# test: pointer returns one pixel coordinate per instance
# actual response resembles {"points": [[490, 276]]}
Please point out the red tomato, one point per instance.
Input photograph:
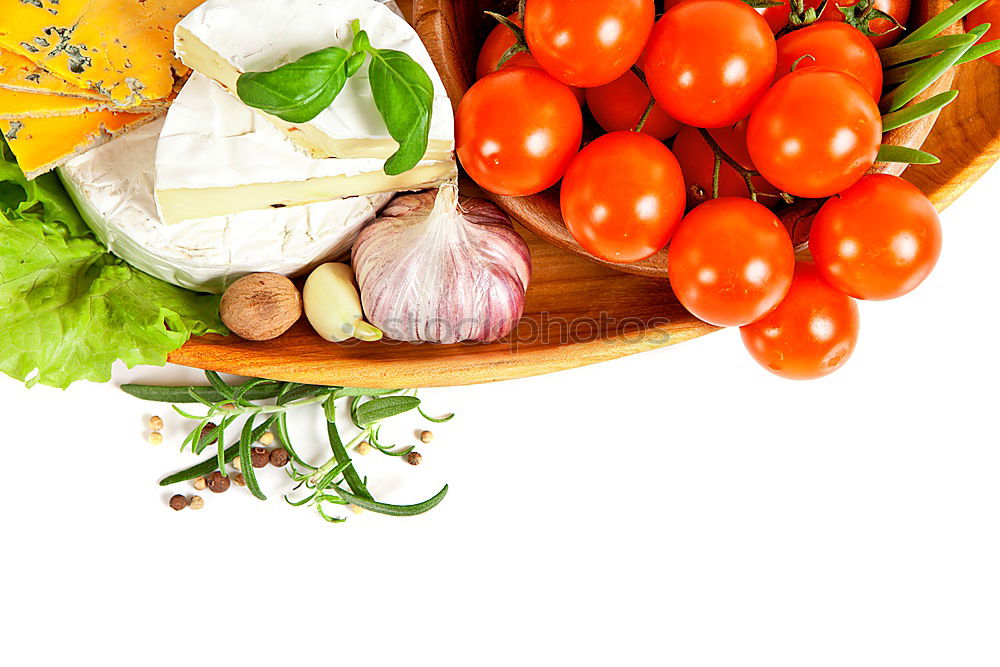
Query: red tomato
{"points": [[623, 196], [620, 104], [815, 132], [516, 131], [878, 240], [587, 43], [708, 62], [698, 163], [730, 262], [497, 42], [777, 17], [989, 12], [834, 45], [810, 334]]}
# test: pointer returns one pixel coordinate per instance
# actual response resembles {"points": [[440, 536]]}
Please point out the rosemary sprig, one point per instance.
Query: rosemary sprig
{"points": [[227, 403]]}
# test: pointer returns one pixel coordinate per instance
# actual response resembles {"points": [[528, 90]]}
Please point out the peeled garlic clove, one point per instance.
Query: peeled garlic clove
{"points": [[332, 305]]}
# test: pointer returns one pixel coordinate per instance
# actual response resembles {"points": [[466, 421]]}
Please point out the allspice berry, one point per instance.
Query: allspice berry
{"points": [[200, 483], [279, 457], [217, 482], [258, 457], [426, 436], [239, 479], [414, 458], [196, 502], [261, 306], [155, 423], [178, 502]]}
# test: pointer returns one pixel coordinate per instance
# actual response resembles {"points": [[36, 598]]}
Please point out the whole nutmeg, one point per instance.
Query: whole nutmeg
{"points": [[258, 457], [261, 306], [178, 502], [278, 457], [414, 458], [217, 482]]}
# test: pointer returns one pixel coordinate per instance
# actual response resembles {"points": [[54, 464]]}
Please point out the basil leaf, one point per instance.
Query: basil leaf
{"points": [[404, 96], [299, 91]]}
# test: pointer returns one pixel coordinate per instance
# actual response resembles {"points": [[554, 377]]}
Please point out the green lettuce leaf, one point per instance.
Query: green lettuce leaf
{"points": [[68, 308]]}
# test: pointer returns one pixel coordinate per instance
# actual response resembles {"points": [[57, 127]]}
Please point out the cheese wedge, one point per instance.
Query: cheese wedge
{"points": [[41, 144], [19, 73], [113, 187], [224, 38], [119, 48], [216, 156], [17, 104]]}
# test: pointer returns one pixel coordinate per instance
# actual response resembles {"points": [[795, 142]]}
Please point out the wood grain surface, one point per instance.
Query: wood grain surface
{"points": [[578, 312]]}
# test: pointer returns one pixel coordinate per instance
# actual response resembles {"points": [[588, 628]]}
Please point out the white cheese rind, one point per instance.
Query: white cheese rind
{"points": [[224, 38], [217, 156], [113, 187]]}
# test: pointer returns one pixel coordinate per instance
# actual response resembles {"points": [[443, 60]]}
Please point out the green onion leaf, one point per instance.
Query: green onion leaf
{"points": [[901, 53], [942, 20], [907, 115], [887, 153]]}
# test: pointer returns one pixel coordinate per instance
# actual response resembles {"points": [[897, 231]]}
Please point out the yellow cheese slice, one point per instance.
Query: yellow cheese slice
{"points": [[42, 144], [17, 104], [119, 48], [19, 73]]}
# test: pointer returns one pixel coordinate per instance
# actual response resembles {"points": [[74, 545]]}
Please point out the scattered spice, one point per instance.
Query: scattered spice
{"points": [[426, 436], [239, 479], [217, 482], [196, 502], [259, 457], [155, 438], [267, 439], [356, 509], [238, 463], [200, 483], [414, 458], [363, 448], [155, 423], [279, 457], [178, 502]]}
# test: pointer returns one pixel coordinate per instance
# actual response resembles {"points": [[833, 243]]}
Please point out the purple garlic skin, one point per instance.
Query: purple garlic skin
{"points": [[433, 268]]}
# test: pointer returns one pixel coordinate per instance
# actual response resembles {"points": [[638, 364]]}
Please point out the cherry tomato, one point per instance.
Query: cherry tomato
{"points": [[815, 132], [834, 45], [709, 61], [697, 162], [620, 104], [516, 131], [777, 17], [989, 12], [497, 42], [878, 240], [730, 262], [587, 43], [623, 196], [810, 334]]}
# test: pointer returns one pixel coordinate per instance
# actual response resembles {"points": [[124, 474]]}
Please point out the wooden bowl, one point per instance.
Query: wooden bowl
{"points": [[577, 312], [458, 28]]}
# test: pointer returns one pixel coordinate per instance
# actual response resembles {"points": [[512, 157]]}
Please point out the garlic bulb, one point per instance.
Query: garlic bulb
{"points": [[434, 269]]}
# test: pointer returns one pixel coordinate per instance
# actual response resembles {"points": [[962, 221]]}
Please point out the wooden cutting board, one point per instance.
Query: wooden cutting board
{"points": [[578, 312]]}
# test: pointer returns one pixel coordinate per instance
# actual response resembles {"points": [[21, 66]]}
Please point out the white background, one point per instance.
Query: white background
{"points": [[680, 507]]}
